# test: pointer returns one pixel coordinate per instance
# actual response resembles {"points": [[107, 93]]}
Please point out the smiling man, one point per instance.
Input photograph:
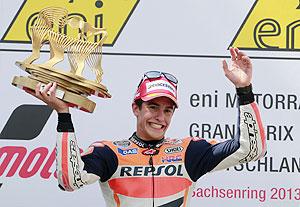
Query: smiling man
{"points": [[154, 104], [148, 169]]}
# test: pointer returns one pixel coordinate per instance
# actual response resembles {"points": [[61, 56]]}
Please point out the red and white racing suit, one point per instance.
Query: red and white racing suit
{"points": [[134, 173]]}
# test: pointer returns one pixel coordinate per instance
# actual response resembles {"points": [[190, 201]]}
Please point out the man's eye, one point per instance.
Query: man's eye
{"points": [[153, 107], [169, 111]]}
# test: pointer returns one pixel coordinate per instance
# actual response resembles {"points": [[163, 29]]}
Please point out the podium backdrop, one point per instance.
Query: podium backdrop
{"points": [[188, 39]]}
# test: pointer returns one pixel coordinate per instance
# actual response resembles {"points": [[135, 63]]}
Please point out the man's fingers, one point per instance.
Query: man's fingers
{"points": [[247, 62], [37, 90], [44, 90], [233, 53], [236, 54], [52, 90], [240, 55], [225, 67]]}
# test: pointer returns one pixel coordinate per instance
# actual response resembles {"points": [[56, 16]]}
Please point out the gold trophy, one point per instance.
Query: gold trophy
{"points": [[72, 87]]}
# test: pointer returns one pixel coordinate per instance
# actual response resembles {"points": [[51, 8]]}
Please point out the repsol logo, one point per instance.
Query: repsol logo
{"points": [[172, 150], [140, 144], [252, 133], [166, 170]]}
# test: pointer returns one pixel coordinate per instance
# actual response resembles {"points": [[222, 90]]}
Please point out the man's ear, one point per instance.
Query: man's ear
{"points": [[135, 109]]}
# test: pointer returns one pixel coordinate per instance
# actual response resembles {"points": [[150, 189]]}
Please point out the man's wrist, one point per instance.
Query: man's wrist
{"points": [[245, 95], [64, 110], [64, 117], [65, 123], [244, 90]]}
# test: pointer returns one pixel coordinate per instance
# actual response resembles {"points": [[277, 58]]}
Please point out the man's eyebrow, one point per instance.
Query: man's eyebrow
{"points": [[152, 103], [156, 104], [171, 107]]}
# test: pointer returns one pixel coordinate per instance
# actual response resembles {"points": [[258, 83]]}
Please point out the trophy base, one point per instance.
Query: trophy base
{"points": [[74, 100], [66, 80]]}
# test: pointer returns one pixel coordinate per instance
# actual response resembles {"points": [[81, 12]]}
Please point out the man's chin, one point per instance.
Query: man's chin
{"points": [[157, 136]]}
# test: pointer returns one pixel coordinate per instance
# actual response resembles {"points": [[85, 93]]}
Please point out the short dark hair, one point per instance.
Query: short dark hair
{"points": [[139, 103]]}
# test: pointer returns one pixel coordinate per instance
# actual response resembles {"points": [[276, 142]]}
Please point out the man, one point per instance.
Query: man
{"points": [[148, 169]]}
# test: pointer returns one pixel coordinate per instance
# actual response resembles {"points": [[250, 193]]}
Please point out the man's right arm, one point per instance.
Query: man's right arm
{"points": [[74, 171]]}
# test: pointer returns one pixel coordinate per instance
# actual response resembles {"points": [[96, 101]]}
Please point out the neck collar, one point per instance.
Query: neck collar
{"points": [[146, 144]]}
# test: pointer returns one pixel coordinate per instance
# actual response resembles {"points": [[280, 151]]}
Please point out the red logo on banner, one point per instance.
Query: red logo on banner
{"points": [[28, 163]]}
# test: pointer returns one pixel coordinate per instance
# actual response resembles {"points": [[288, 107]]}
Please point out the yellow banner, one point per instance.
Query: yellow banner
{"points": [[271, 25], [109, 14]]}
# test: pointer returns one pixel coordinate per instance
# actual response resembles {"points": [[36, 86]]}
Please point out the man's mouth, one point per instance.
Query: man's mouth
{"points": [[156, 126]]}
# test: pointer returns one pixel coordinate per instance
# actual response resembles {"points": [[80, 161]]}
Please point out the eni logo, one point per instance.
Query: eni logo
{"points": [[109, 14], [270, 25]]}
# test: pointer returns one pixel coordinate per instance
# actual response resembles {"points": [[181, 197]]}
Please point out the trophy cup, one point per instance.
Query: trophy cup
{"points": [[72, 87]]}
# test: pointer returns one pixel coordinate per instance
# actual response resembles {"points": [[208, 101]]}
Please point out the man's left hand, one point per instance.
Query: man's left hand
{"points": [[240, 70]]}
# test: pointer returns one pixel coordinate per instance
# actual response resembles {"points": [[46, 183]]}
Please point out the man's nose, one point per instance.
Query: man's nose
{"points": [[160, 115]]}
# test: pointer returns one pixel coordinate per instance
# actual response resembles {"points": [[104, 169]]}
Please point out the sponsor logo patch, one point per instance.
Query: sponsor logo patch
{"points": [[131, 151], [172, 150], [75, 165], [173, 141], [163, 170], [150, 152], [252, 133], [160, 85], [169, 159], [122, 144]]}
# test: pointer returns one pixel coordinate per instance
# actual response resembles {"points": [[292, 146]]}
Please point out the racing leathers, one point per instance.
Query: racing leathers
{"points": [[163, 173]]}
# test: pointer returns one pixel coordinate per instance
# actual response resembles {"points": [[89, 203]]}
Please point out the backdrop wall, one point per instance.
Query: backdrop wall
{"points": [[188, 39]]}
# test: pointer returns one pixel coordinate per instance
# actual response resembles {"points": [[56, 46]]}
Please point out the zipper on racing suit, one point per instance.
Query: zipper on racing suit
{"points": [[152, 171], [152, 174], [150, 149]]}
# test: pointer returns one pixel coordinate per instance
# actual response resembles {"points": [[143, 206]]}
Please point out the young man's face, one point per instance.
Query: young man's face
{"points": [[153, 118]]}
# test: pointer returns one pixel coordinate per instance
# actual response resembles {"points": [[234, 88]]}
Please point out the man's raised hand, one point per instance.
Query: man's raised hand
{"points": [[240, 70]]}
